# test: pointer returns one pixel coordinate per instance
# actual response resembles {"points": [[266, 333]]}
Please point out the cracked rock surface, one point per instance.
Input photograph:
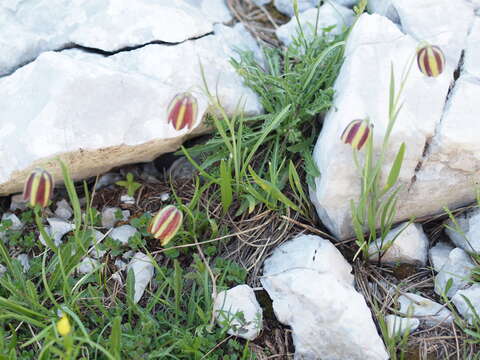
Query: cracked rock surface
{"points": [[437, 121], [311, 287], [100, 100], [33, 26]]}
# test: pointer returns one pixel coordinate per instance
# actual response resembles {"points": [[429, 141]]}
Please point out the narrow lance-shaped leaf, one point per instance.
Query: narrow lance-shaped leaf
{"points": [[225, 185], [396, 167]]}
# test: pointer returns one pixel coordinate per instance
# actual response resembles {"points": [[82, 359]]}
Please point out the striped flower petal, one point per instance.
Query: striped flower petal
{"points": [[38, 188], [356, 133], [182, 111], [165, 224], [430, 60]]}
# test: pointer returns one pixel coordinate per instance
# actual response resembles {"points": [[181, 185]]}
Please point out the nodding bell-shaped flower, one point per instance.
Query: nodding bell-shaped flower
{"points": [[182, 111], [38, 188], [63, 325], [356, 133], [430, 60], [165, 224]]}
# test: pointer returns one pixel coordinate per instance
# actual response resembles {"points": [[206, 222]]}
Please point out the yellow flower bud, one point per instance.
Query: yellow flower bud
{"points": [[63, 325]]}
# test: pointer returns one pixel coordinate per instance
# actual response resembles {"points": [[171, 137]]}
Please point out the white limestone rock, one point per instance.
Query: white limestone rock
{"points": [[472, 52], [56, 230], [143, 271], [451, 168], [426, 310], [261, 2], [385, 8], [286, 6], [463, 307], [330, 14], [127, 199], [110, 25], [64, 210], [123, 233], [397, 326], [405, 244], [439, 255], [109, 216], [312, 292], [239, 309], [458, 268], [444, 23], [87, 265], [18, 203], [309, 252], [24, 260], [100, 112], [107, 180], [329, 318], [16, 222], [121, 265], [362, 90], [467, 236]]}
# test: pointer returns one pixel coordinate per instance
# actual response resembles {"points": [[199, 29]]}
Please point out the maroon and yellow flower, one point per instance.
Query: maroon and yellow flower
{"points": [[356, 133], [165, 224], [182, 111], [38, 188], [430, 60]]}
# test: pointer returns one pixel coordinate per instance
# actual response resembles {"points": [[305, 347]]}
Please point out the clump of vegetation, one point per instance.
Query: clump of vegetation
{"points": [[256, 159]]}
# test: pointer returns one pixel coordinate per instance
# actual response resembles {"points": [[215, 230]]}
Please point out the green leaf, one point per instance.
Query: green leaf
{"points": [[226, 185], [273, 191]]}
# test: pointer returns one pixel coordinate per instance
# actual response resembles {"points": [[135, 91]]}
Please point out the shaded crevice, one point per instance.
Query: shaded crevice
{"points": [[105, 53], [428, 141]]}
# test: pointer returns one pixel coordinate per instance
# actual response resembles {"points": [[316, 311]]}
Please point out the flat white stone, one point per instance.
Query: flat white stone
{"points": [[123, 233], [426, 310], [107, 180], [87, 265], [309, 252], [397, 326], [463, 307], [164, 196], [311, 286], [467, 235], [405, 244], [143, 270], [330, 14], [56, 230], [239, 309], [64, 210], [330, 320], [362, 90], [121, 265], [17, 203], [444, 23], [286, 6], [472, 52], [109, 216], [458, 268], [261, 2], [127, 199], [110, 25], [16, 222], [99, 112], [439, 255], [385, 8], [24, 261]]}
